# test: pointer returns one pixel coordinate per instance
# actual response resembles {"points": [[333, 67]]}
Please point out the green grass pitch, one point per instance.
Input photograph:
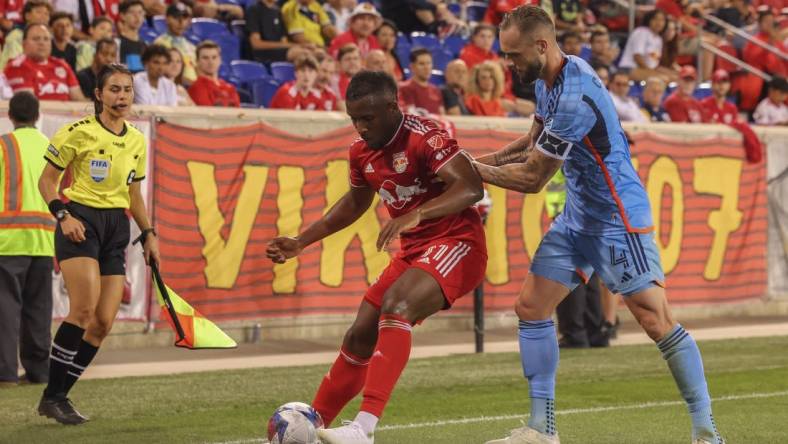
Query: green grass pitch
{"points": [[616, 395]]}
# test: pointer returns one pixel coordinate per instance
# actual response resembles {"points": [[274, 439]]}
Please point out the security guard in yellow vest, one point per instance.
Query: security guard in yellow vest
{"points": [[580, 320], [26, 247]]}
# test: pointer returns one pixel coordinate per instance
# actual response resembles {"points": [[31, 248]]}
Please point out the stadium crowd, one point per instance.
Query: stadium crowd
{"points": [[301, 54]]}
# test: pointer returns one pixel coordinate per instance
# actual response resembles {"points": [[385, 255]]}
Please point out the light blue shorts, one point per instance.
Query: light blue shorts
{"points": [[626, 262]]}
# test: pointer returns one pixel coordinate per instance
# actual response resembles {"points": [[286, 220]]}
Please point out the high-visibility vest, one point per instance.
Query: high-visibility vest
{"points": [[555, 196], [26, 226]]}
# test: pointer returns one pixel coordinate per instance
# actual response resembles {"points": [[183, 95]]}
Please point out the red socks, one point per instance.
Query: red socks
{"points": [[341, 384], [387, 363]]}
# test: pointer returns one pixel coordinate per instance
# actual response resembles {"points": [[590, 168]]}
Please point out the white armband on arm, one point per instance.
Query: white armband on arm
{"points": [[553, 146]]}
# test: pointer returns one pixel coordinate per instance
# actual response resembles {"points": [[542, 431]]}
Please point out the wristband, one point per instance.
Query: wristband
{"points": [[56, 205]]}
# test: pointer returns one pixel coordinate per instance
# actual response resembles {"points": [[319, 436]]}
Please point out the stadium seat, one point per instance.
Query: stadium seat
{"points": [[283, 71], [635, 89], [402, 39], [160, 24], [585, 52], [702, 91], [240, 3], [437, 78], [454, 44], [441, 58], [149, 35], [206, 28], [496, 47], [476, 11], [424, 40], [263, 91], [238, 28], [231, 46], [247, 71], [403, 54]]}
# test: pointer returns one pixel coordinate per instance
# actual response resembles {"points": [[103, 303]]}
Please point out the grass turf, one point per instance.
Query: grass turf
{"points": [[600, 399]]}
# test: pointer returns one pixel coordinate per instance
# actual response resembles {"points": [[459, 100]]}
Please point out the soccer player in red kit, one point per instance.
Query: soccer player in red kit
{"points": [[428, 186]]}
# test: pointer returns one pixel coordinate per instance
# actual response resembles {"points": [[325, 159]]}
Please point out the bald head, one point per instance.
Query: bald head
{"points": [[376, 61], [457, 73]]}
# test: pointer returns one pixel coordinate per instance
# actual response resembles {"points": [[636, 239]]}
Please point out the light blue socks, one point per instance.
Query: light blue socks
{"points": [[539, 355], [683, 357]]}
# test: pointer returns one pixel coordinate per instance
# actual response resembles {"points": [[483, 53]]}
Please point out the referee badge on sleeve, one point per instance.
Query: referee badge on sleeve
{"points": [[53, 151], [99, 169], [132, 175]]}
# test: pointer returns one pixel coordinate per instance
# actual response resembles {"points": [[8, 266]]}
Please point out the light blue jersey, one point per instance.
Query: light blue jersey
{"points": [[603, 192]]}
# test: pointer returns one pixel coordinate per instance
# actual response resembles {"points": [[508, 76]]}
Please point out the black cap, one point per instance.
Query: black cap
{"points": [[179, 9], [779, 83]]}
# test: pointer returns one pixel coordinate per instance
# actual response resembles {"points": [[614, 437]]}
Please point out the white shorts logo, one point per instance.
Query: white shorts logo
{"points": [[99, 169]]}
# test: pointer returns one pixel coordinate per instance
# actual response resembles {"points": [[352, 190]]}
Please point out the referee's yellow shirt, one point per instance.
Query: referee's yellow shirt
{"points": [[103, 164]]}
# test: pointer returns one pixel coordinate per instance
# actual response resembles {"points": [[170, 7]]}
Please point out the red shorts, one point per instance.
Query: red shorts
{"points": [[457, 265]]}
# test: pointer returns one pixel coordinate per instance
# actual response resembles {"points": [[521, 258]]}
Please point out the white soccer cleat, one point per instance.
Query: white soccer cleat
{"points": [[526, 435], [349, 433]]}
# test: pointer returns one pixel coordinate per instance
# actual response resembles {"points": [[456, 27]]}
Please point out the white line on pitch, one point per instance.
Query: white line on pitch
{"points": [[645, 405]]}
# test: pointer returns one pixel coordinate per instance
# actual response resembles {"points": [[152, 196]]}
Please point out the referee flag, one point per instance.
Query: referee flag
{"points": [[192, 329]]}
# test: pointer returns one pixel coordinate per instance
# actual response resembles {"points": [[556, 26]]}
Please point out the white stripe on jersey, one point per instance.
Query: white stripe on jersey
{"points": [[447, 266], [448, 256]]}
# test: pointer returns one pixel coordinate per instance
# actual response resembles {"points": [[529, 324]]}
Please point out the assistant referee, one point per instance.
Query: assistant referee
{"points": [[107, 157]]}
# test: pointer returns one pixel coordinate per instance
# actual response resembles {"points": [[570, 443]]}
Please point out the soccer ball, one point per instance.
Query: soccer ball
{"points": [[294, 423]]}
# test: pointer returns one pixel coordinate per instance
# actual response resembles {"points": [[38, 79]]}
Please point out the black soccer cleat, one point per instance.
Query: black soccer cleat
{"points": [[61, 410]]}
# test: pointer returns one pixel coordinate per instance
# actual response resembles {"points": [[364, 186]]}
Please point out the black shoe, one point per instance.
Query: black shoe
{"points": [[565, 342], [61, 410]]}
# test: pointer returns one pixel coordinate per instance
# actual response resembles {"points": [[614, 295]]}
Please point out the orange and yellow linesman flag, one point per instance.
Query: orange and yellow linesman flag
{"points": [[192, 329]]}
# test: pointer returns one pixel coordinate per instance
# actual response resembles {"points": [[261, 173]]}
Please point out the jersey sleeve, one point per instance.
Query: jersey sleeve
{"points": [[18, 78], [142, 163], [357, 178], [437, 149], [568, 125], [62, 147]]}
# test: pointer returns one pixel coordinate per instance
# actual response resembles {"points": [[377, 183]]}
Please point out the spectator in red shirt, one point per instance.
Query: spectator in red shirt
{"points": [[327, 78], [717, 108], [681, 105], [479, 49], [364, 20], [387, 39], [496, 9], [349, 59], [485, 90], [49, 78], [418, 95], [302, 93], [761, 58], [209, 89], [10, 14], [376, 61]]}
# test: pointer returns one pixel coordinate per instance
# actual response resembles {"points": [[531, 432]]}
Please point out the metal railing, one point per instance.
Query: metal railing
{"points": [[732, 29], [741, 64]]}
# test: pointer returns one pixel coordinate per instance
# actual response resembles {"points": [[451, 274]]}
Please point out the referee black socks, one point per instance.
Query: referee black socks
{"points": [[64, 349], [84, 356]]}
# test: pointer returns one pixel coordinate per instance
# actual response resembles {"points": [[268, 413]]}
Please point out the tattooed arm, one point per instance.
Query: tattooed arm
{"points": [[515, 152], [528, 177]]}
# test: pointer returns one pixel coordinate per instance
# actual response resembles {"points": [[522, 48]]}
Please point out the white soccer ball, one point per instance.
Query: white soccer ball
{"points": [[294, 423]]}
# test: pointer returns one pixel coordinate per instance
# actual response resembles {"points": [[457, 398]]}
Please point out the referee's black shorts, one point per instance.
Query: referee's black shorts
{"points": [[106, 238]]}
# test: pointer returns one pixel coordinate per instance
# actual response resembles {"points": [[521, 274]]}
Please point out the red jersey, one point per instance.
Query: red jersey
{"points": [[496, 9], [288, 97], [404, 173], [51, 79], [206, 91], [347, 37], [713, 114], [12, 10], [426, 97], [683, 109]]}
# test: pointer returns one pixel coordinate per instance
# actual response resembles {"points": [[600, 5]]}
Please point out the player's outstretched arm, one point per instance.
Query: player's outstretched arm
{"points": [[528, 177], [349, 208], [463, 189], [515, 152]]}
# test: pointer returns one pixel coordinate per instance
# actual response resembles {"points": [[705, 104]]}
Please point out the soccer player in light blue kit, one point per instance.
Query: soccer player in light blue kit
{"points": [[606, 225]]}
